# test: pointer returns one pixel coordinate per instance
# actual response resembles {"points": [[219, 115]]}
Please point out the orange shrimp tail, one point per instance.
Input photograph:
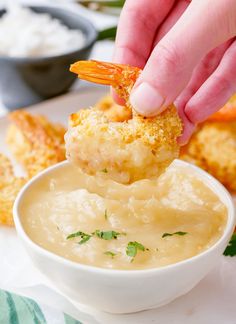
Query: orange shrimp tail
{"points": [[120, 76], [227, 113]]}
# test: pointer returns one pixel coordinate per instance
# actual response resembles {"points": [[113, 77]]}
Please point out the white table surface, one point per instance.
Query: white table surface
{"points": [[101, 51]]}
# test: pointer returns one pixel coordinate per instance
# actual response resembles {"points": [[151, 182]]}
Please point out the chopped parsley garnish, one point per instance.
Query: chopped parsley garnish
{"points": [[111, 254], [105, 215], [73, 235], [231, 248], [176, 233], [84, 237], [107, 235], [104, 170], [133, 248]]}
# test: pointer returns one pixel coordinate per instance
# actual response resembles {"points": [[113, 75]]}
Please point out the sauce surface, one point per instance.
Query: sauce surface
{"points": [[148, 224]]}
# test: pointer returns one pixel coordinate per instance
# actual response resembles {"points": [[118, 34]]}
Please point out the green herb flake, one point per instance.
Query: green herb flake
{"points": [[133, 247], [104, 170], [176, 233], [111, 254], [231, 248], [84, 237], [107, 235], [73, 235]]}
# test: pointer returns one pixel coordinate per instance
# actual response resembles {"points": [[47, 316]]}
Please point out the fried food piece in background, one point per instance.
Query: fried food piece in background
{"points": [[9, 188], [8, 195], [6, 170], [227, 113], [213, 148], [35, 142], [112, 111], [123, 151]]}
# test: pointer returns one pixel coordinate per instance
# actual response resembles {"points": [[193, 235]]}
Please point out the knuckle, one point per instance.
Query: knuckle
{"points": [[136, 11], [209, 62], [138, 14], [192, 114], [128, 54], [170, 57], [223, 81]]}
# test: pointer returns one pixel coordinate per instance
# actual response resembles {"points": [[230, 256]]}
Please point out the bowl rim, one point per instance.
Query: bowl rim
{"points": [[93, 34], [209, 180]]}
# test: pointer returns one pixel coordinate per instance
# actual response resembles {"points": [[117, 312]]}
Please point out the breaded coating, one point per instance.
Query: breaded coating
{"points": [[6, 170], [112, 111], [34, 141], [124, 151], [9, 188], [213, 147], [36, 144]]}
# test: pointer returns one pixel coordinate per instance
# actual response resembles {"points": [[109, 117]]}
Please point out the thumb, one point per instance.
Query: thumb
{"points": [[202, 27]]}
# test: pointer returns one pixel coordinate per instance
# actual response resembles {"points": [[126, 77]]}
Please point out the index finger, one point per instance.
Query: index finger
{"points": [[137, 27]]}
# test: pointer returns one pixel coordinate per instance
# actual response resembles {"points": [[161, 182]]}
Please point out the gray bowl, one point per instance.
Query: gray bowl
{"points": [[26, 81]]}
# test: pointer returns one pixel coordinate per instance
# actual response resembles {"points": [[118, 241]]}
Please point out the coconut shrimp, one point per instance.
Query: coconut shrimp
{"points": [[217, 134], [112, 110], [126, 151]]}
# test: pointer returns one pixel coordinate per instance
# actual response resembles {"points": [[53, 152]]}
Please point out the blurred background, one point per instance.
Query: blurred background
{"points": [[39, 39], [30, 75]]}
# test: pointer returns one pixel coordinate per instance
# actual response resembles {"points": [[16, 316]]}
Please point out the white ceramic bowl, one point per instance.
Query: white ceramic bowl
{"points": [[125, 291]]}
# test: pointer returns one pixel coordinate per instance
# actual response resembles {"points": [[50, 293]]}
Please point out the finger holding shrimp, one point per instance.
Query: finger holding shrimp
{"points": [[137, 28], [171, 64]]}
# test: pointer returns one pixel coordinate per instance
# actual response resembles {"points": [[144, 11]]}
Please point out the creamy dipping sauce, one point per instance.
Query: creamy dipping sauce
{"points": [[148, 224]]}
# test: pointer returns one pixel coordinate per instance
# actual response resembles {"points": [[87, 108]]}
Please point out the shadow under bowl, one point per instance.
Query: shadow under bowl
{"points": [[28, 80]]}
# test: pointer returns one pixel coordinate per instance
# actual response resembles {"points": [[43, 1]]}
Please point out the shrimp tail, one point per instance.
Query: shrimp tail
{"points": [[105, 73]]}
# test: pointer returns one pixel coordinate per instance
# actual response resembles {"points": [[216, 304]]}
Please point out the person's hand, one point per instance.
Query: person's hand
{"points": [[187, 53]]}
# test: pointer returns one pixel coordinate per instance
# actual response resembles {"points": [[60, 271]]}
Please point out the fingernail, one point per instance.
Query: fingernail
{"points": [[146, 100]]}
